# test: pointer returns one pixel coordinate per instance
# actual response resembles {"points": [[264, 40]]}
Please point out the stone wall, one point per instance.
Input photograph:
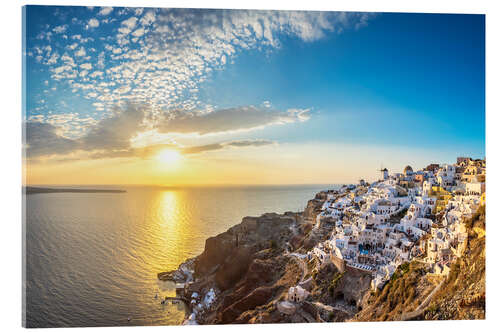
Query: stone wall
{"points": [[339, 263]]}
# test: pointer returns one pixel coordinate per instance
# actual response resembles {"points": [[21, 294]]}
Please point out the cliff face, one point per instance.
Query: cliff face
{"points": [[248, 267], [310, 236], [313, 207], [236, 246]]}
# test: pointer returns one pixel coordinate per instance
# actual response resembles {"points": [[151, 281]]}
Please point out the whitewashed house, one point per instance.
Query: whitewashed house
{"points": [[322, 255], [297, 294]]}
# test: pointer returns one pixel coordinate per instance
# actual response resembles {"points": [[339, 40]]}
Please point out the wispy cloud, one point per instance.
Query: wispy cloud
{"points": [[228, 120], [222, 145]]}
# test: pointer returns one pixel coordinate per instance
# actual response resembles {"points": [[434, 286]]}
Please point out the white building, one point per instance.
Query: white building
{"points": [[297, 294]]}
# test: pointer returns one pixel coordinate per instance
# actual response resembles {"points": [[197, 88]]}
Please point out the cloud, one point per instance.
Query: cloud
{"points": [[249, 143], [169, 53], [130, 23], [153, 150], [161, 57], [115, 132], [81, 52], [110, 134], [105, 11], [139, 32], [43, 139], [141, 152], [72, 46], [228, 120], [60, 29], [93, 23], [222, 145], [148, 18], [109, 138], [87, 66]]}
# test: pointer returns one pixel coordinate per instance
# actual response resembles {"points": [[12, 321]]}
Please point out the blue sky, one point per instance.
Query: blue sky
{"points": [[413, 82], [419, 74]]}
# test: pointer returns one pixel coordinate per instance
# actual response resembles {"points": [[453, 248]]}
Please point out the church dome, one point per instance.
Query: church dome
{"points": [[408, 169]]}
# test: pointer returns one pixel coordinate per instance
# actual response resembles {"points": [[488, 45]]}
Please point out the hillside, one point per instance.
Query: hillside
{"points": [[463, 294], [412, 294]]}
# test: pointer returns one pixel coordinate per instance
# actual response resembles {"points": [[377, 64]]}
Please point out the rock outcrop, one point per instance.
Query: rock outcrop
{"points": [[233, 268]]}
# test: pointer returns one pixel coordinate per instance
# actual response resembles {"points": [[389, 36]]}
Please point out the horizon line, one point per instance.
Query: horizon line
{"points": [[192, 185]]}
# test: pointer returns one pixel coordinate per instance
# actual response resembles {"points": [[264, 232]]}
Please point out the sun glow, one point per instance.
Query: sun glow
{"points": [[168, 156]]}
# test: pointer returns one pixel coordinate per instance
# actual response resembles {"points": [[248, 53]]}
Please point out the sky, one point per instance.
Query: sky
{"points": [[198, 97]]}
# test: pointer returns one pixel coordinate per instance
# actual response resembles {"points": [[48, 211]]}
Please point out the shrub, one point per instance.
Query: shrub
{"points": [[334, 282]]}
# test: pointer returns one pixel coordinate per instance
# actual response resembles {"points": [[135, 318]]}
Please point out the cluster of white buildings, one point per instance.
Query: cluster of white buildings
{"points": [[378, 227]]}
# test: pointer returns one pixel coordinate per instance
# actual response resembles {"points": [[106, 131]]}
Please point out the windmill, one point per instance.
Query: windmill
{"points": [[384, 172]]}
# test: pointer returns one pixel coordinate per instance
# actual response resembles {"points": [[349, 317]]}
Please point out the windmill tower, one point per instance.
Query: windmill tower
{"points": [[384, 173]]}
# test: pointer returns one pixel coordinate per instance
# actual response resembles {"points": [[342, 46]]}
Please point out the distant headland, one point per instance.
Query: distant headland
{"points": [[39, 190]]}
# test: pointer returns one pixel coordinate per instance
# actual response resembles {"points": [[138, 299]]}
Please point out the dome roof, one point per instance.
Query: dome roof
{"points": [[408, 169]]}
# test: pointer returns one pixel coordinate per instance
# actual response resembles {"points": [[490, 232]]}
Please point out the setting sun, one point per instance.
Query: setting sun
{"points": [[168, 156]]}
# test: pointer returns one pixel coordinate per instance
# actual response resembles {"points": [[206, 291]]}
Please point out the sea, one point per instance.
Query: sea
{"points": [[91, 259]]}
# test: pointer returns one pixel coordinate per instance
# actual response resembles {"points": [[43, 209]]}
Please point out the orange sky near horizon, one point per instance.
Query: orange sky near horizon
{"points": [[311, 163]]}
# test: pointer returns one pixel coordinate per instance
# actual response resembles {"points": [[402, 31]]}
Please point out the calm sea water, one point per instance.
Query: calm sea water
{"points": [[92, 258]]}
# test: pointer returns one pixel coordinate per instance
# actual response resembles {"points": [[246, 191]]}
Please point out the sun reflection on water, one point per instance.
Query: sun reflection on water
{"points": [[170, 224], [168, 208]]}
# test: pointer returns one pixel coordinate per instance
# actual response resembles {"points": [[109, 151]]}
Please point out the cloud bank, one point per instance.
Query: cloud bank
{"points": [[232, 119], [111, 137]]}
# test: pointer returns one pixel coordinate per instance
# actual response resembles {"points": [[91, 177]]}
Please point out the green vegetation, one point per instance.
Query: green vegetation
{"points": [[402, 269], [334, 282], [314, 273]]}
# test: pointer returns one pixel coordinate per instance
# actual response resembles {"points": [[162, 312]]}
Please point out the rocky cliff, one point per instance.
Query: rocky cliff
{"points": [[248, 267]]}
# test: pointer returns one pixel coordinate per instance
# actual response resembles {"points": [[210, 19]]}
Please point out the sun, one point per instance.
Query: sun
{"points": [[168, 156]]}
